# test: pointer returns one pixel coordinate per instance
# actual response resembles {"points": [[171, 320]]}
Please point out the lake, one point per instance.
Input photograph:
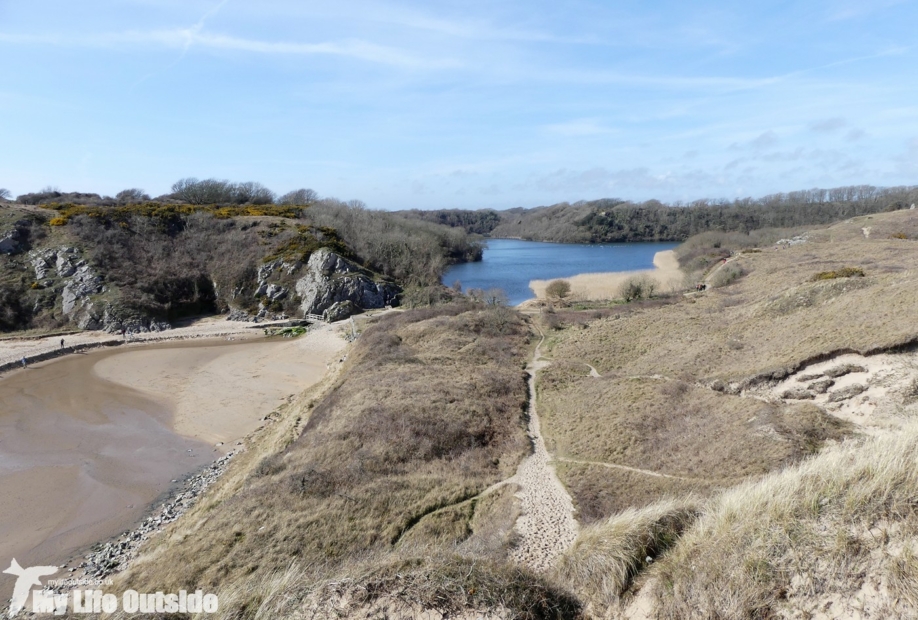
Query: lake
{"points": [[510, 264]]}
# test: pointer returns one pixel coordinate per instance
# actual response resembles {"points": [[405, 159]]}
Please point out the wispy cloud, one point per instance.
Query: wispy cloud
{"points": [[479, 30], [579, 128], [188, 38]]}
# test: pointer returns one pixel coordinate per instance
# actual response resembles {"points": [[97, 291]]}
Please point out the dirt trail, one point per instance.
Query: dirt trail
{"points": [[546, 525], [593, 372], [646, 472]]}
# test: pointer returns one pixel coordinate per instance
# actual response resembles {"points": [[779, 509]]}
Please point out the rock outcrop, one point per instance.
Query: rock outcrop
{"points": [[9, 242], [331, 279], [66, 268], [64, 271], [13, 240]]}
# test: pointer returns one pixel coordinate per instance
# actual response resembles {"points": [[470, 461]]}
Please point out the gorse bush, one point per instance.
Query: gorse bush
{"points": [[166, 212], [844, 272]]}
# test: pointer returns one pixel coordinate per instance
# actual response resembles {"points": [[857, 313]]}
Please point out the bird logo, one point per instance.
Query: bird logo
{"points": [[26, 578]]}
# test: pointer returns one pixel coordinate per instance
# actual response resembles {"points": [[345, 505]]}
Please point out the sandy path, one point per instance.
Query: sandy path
{"points": [[546, 525], [666, 273]]}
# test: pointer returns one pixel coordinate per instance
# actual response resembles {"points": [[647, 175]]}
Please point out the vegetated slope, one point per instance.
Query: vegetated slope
{"points": [[613, 220], [479, 222], [150, 263], [370, 494], [713, 390]]}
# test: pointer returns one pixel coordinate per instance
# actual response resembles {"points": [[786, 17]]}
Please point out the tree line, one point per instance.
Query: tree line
{"points": [[188, 190], [614, 220]]}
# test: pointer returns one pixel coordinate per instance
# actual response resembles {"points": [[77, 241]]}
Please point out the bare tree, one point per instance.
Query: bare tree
{"points": [[252, 193], [299, 197], [495, 297], [558, 288], [208, 191], [5, 194], [133, 194]]}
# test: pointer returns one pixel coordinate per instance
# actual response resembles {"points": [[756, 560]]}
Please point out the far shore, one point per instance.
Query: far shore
{"points": [[666, 274]]}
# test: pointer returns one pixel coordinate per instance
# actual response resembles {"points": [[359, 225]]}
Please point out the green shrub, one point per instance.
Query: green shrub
{"points": [[728, 274], [637, 288], [844, 272]]}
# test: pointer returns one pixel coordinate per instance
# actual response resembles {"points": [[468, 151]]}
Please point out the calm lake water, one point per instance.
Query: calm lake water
{"points": [[510, 264]]}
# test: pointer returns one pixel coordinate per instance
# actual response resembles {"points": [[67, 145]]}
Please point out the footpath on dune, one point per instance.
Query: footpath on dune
{"points": [[546, 525]]}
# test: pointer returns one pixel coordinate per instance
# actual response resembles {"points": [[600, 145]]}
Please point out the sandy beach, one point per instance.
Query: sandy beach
{"points": [[666, 273], [89, 441]]}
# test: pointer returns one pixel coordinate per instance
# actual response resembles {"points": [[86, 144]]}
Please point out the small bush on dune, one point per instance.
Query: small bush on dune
{"points": [[637, 288], [728, 274], [558, 288]]}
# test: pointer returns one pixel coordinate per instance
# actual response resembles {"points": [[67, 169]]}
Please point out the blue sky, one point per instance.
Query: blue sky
{"points": [[460, 104]]}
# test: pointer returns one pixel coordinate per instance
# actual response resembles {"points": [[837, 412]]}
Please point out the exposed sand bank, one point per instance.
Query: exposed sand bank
{"points": [[666, 273], [88, 442]]}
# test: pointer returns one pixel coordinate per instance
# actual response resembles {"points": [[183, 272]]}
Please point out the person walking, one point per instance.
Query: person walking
{"points": [[62, 344], [23, 362]]}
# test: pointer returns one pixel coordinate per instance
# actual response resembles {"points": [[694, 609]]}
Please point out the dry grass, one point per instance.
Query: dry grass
{"points": [[835, 526], [775, 312], [451, 586], [832, 534], [389, 467], [607, 556], [702, 439], [372, 505]]}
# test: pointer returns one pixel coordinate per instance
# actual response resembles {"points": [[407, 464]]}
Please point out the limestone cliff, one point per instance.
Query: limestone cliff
{"points": [[331, 281]]}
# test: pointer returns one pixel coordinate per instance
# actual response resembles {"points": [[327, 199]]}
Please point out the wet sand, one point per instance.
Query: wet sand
{"points": [[88, 442], [666, 273]]}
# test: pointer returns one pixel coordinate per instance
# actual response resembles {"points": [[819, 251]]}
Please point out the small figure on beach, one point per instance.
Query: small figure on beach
{"points": [[23, 362], [62, 343]]}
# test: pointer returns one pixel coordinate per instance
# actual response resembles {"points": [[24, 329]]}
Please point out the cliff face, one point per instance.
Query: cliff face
{"points": [[139, 270], [334, 287]]}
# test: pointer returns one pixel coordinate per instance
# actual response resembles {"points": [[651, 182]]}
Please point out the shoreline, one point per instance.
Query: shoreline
{"points": [[37, 349], [605, 285], [179, 401]]}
